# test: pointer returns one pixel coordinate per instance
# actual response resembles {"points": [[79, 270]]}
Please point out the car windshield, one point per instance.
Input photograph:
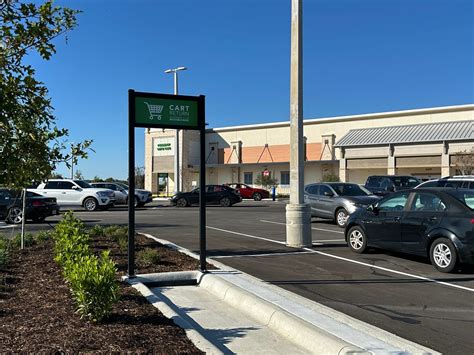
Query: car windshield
{"points": [[82, 184], [405, 181], [350, 190], [464, 196]]}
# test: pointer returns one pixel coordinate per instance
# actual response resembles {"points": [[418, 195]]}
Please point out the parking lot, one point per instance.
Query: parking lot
{"points": [[401, 294]]}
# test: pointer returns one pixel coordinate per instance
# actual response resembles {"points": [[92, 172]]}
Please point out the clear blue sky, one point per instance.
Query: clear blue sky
{"points": [[360, 56]]}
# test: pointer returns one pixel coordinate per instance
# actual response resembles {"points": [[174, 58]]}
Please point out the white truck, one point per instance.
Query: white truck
{"points": [[76, 193]]}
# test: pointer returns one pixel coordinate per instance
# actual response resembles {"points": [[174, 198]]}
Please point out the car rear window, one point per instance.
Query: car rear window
{"points": [[464, 196]]}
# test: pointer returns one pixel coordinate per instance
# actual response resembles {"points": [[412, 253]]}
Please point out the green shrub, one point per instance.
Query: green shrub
{"points": [[94, 286], [148, 257], [71, 241], [3, 255], [123, 244], [116, 232], [28, 241], [42, 236], [97, 230]]}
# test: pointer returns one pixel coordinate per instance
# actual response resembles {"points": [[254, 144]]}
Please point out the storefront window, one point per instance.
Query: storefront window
{"points": [[248, 178], [285, 178]]}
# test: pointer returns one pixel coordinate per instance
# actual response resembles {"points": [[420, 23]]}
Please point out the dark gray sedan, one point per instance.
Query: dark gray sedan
{"points": [[337, 200]]}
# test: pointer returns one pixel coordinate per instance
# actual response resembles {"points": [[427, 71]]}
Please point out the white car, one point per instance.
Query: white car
{"points": [[458, 181], [142, 197], [76, 193]]}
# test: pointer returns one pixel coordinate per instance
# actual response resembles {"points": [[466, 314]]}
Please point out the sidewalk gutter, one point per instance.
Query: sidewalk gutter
{"points": [[315, 327]]}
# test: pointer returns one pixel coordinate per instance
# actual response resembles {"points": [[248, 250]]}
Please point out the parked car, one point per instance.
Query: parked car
{"points": [[337, 200], [437, 223], [461, 181], [385, 184], [215, 195], [37, 207], [247, 191], [76, 193], [142, 197]]}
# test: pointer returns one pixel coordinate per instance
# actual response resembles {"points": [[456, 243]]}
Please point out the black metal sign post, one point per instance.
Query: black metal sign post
{"points": [[151, 110]]}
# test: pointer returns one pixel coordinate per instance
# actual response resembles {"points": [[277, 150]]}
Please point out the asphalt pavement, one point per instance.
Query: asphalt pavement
{"points": [[402, 294]]}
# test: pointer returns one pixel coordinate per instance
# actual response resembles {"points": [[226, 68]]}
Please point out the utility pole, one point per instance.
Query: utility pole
{"points": [[72, 161], [177, 180], [298, 214]]}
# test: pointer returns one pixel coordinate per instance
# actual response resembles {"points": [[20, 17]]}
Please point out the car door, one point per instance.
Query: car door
{"points": [[325, 202], [214, 193], [5, 201], [119, 193], [383, 223], [311, 197], [245, 191], [425, 213], [71, 193], [51, 189]]}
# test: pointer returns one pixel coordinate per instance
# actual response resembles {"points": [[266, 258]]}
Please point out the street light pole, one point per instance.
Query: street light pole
{"points": [[298, 214], [177, 180]]}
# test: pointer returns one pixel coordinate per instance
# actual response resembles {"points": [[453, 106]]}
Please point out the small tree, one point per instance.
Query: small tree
{"points": [[78, 175], [265, 181], [330, 178], [140, 177], [464, 162], [31, 145], [97, 179]]}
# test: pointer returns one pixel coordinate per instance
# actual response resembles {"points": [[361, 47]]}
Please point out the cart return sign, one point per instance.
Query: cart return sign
{"points": [[167, 111], [151, 110]]}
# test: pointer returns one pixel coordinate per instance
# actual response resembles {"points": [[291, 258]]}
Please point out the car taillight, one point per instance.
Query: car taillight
{"points": [[37, 203], [472, 221]]}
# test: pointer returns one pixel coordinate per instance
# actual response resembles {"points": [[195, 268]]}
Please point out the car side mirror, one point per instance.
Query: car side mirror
{"points": [[74, 187], [373, 208], [329, 194]]}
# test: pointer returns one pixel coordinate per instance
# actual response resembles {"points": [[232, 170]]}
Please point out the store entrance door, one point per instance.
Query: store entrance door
{"points": [[163, 185]]}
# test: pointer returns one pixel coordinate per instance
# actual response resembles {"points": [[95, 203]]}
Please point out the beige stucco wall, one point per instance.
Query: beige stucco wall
{"points": [[316, 131]]}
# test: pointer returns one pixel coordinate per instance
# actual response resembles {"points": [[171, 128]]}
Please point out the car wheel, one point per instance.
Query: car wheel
{"points": [[341, 217], [15, 215], [90, 204], [39, 219], [443, 255], [257, 196], [182, 202], [357, 240], [225, 202]]}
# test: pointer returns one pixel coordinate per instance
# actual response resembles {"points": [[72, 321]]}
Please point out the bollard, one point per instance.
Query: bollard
{"points": [[273, 193]]}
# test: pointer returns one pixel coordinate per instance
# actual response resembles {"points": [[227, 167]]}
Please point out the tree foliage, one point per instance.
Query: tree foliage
{"points": [[464, 162], [265, 181], [31, 144]]}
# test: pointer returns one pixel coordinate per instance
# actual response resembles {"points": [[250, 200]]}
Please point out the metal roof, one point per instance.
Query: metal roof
{"points": [[418, 133]]}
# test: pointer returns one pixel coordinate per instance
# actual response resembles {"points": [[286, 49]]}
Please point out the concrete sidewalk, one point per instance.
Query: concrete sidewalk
{"points": [[227, 311]]}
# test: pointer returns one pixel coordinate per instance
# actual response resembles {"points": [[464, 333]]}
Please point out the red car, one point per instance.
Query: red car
{"points": [[250, 192]]}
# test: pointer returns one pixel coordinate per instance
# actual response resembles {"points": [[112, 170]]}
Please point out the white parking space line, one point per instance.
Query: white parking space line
{"points": [[246, 235], [256, 255], [354, 261], [313, 228]]}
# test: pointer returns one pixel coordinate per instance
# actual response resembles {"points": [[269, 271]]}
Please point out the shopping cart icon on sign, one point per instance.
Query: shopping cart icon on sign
{"points": [[155, 111]]}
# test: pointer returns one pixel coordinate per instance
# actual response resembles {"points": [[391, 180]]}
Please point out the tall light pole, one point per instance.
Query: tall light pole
{"points": [[176, 142], [298, 214]]}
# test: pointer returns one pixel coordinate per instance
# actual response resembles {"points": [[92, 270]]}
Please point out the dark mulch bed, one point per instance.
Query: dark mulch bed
{"points": [[37, 311]]}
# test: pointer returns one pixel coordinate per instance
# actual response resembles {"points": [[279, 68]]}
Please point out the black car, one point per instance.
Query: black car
{"points": [[215, 195], [436, 223], [385, 184], [37, 209]]}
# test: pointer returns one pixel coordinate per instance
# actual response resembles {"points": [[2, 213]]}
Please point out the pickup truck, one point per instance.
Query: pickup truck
{"points": [[76, 193]]}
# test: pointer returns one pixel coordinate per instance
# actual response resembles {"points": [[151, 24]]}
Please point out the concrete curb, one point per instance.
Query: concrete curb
{"points": [[294, 329]]}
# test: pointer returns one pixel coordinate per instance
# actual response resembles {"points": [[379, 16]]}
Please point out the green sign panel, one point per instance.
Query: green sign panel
{"points": [[166, 112]]}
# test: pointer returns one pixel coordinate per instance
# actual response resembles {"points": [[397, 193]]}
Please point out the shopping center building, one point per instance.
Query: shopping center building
{"points": [[425, 143]]}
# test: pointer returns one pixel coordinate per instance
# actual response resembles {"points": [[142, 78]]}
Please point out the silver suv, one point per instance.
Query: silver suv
{"points": [[120, 190], [76, 193], [458, 181]]}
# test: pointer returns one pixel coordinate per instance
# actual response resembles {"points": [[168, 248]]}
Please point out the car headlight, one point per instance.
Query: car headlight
{"points": [[103, 193], [358, 204]]}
